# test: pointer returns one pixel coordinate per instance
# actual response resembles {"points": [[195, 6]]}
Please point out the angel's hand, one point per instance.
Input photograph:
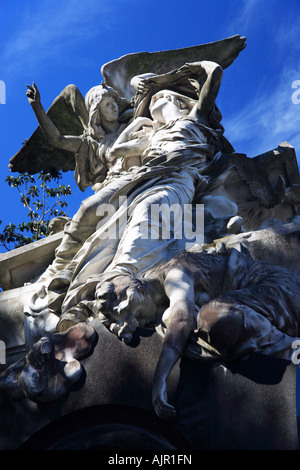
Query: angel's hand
{"points": [[141, 85], [33, 94], [186, 69], [196, 72]]}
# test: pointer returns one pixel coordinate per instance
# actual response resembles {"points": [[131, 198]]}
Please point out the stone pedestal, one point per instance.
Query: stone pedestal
{"points": [[25, 263], [245, 404], [248, 404], [12, 331]]}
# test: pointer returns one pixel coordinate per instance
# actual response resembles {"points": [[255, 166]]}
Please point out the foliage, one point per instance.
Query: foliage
{"points": [[43, 199]]}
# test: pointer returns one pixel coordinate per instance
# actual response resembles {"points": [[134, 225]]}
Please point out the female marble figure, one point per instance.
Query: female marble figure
{"points": [[207, 306], [180, 145], [107, 119]]}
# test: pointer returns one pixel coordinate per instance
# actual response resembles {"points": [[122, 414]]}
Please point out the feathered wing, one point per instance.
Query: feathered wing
{"points": [[69, 114], [257, 179], [118, 73]]}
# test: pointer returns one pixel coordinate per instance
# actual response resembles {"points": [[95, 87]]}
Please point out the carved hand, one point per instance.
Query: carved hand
{"points": [[33, 94], [128, 144], [194, 69], [141, 85], [139, 123], [159, 398]]}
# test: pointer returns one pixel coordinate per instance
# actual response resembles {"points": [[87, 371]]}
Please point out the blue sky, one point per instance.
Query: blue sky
{"points": [[59, 42]]}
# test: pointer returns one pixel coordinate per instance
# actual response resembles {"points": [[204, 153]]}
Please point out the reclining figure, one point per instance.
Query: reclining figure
{"points": [[229, 303]]}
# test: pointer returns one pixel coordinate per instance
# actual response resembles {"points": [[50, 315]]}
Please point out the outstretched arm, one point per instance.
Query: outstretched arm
{"points": [[206, 76], [179, 319], [50, 131]]}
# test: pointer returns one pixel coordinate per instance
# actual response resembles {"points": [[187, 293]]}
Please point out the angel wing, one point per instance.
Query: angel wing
{"points": [[118, 73], [257, 173], [69, 114], [257, 179]]}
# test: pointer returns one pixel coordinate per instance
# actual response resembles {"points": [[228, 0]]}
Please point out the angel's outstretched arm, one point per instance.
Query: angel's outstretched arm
{"points": [[50, 131]]}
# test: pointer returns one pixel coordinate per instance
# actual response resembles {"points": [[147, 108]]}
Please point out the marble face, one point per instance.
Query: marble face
{"points": [[166, 103], [108, 108]]}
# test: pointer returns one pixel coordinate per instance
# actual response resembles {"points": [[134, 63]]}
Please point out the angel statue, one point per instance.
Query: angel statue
{"points": [[182, 137], [77, 133], [159, 158], [97, 163], [178, 142], [164, 157], [171, 152]]}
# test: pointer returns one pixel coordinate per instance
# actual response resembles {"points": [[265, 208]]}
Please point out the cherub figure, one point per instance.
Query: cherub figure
{"points": [[228, 303]]}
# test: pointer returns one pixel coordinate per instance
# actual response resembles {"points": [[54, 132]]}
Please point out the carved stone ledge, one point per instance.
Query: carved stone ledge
{"points": [[25, 263]]}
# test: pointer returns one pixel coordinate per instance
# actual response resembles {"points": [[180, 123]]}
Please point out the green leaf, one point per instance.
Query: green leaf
{"points": [[45, 197]]}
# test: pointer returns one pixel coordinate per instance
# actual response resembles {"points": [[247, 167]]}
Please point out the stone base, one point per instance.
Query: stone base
{"points": [[249, 404], [25, 263], [12, 331]]}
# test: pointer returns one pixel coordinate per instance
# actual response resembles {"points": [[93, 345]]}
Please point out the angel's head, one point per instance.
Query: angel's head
{"points": [[124, 304], [105, 107]]}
